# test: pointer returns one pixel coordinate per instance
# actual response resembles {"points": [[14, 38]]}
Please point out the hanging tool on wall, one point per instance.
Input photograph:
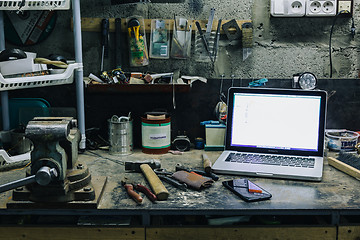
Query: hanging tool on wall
{"points": [[118, 43], [137, 42], [104, 41], [229, 28], [204, 40], [247, 39], [217, 38], [210, 23]]}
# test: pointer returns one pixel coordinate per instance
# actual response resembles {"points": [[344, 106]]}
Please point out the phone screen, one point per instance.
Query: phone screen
{"points": [[247, 190]]}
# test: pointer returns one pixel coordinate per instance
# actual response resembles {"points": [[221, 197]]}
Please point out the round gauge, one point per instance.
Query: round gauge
{"points": [[307, 81]]}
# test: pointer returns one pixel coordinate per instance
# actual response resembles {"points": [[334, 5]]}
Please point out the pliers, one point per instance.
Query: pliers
{"points": [[130, 186], [166, 176]]}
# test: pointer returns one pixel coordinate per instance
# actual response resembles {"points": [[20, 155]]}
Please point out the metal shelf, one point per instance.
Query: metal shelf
{"points": [[66, 77], [15, 5], [73, 72]]}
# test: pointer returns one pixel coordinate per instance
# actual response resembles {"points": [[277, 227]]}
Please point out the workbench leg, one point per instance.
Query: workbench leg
{"points": [[146, 219], [335, 218]]}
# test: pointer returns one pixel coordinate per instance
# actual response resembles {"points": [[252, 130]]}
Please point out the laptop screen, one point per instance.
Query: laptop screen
{"points": [[276, 120]]}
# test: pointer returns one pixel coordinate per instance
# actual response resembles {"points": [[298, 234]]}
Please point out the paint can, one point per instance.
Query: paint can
{"points": [[156, 135], [120, 135]]}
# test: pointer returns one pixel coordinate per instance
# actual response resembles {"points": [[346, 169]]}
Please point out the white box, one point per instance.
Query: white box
{"points": [[215, 135], [25, 65]]}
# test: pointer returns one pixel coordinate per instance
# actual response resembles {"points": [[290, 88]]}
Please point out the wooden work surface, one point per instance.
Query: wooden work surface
{"points": [[335, 193]]}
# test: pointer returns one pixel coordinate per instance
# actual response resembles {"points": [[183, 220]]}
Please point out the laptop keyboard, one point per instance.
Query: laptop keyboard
{"points": [[271, 160]]}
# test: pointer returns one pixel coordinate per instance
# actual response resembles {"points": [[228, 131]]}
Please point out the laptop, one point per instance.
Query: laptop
{"points": [[275, 133]]}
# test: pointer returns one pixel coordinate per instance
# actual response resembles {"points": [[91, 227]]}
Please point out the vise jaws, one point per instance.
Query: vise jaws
{"points": [[55, 174]]}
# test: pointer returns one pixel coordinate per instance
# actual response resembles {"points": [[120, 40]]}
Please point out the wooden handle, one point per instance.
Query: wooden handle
{"points": [[130, 190], [344, 167], [207, 163], [155, 183]]}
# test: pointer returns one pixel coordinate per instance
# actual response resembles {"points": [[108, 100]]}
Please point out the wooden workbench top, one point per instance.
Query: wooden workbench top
{"points": [[337, 191]]}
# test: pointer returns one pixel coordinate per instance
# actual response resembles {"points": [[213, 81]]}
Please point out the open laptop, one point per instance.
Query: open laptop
{"points": [[286, 127]]}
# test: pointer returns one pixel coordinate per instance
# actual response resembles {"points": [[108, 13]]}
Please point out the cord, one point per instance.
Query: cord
{"points": [[59, 64], [331, 32]]}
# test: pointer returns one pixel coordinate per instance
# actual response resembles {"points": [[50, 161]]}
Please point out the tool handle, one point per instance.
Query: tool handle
{"points": [[105, 35], [130, 190], [155, 183], [174, 182], [146, 191], [206, 163], [118, 43]]}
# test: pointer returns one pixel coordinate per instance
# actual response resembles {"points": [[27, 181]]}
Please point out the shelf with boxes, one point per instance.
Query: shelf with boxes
{"points": [[51, 79]]}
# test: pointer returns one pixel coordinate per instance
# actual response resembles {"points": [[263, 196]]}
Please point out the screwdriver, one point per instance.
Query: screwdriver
{"points": [[104, 41]]}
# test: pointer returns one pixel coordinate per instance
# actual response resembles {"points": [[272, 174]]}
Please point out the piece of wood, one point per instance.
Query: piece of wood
{"points": [[155, 183], [94, 24], [137, 88], [74, 233], [344, 167], [264, 233], [348, 232]]}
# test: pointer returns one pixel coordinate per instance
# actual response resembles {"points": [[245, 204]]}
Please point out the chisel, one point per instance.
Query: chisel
{"points": [[118, 43], [104, 41]]}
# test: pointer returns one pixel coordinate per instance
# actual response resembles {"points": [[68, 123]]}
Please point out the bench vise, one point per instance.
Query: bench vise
{"points": [[55, 174]]}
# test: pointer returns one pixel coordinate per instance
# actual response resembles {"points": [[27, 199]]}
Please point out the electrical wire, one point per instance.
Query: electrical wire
{"points": [[331, 32], [59, 64]]}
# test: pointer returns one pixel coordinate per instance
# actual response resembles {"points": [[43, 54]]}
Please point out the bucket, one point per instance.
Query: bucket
{"points": [[156, 137], [120, 136]]}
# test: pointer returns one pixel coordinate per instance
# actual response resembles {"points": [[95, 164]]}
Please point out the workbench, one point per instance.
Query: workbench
{"points": [[300, 209]]}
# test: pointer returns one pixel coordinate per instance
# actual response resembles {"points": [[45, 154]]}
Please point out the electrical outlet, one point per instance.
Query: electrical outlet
{"points": [[321, 8], [345, 6], [287, 8]]}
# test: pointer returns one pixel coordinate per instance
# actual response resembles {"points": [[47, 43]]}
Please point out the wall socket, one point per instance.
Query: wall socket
{"points": [[346, 6], [287, 8], [321, 8], [310, 8]]}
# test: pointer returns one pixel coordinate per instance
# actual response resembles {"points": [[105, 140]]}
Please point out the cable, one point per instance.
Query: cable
{"points": [[59, 64], [331, 32]]}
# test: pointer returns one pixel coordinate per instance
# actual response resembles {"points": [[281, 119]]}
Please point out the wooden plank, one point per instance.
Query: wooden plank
{"points": [[73, 233], [344, 167], [94, 24], [348, 233], [263, 233], [137, 88]]}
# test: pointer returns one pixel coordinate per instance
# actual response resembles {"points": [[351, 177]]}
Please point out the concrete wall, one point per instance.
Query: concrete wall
{"points": [[282, 46]]}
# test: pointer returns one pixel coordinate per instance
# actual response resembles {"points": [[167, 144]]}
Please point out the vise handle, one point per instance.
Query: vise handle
{"points": [[43, 177]]}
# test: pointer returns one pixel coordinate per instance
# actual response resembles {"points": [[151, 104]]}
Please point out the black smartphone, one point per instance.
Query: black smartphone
{"points": [[247, 190]]}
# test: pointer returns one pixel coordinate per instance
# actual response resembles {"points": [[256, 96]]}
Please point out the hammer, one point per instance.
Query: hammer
{"points": [[155, 183], [135, 165]]}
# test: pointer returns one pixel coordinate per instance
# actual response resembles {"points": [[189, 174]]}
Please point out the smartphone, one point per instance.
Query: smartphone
{"points": [[247, 190]]}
